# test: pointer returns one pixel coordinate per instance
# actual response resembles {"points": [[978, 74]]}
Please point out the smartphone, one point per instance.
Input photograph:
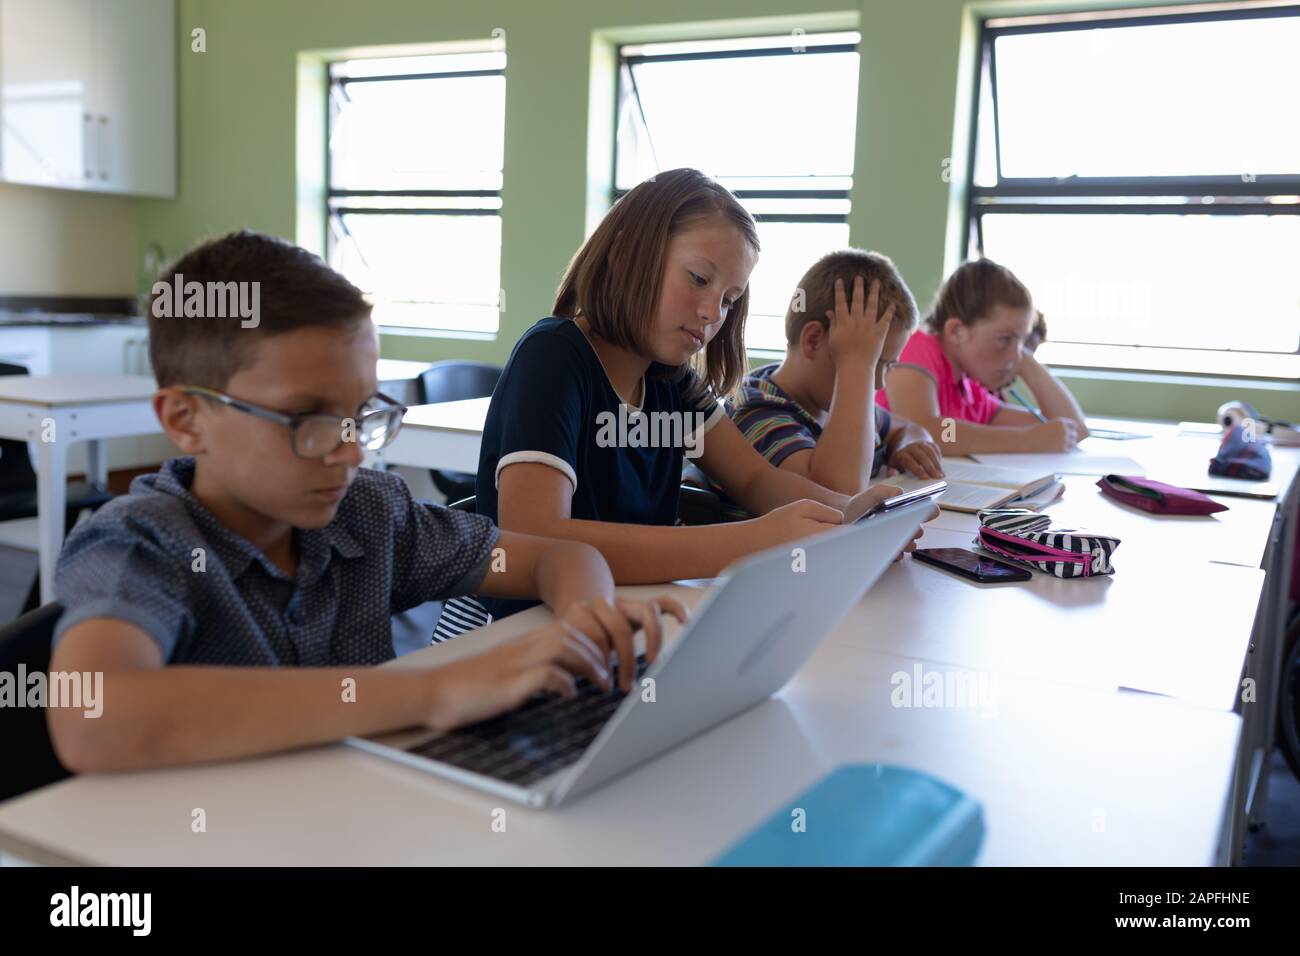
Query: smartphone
{"points": [[970, 564], [906, 498]]}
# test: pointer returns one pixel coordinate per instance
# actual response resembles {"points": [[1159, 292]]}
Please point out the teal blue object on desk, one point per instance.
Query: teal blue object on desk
{"points": [[867, 815]]}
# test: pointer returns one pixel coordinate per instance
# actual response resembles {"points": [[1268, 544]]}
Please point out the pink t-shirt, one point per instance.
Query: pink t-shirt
{"points": [[963, 398]]}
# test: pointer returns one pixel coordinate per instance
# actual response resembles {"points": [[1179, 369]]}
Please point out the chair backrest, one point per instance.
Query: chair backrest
{"points": [[25, 745], [465, 504], [454, 381], [15, 463], [698, 506]]}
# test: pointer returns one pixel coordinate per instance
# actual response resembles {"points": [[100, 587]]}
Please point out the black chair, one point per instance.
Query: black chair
{"points": [[454, 381], [28, 754], [699, 506], [18, 484]]}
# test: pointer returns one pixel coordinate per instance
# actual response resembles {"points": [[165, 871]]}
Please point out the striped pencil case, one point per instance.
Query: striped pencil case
{"points": [[1027, 538]]}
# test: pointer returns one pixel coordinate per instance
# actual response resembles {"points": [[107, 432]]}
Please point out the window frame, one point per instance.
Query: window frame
{"points": [[1233, 195], [623, 59], [331, 193]]}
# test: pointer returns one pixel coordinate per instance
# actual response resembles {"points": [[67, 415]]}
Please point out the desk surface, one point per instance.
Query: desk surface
{"points": [[1236, 536], [1069, 770], [1176, 629], [400, 370], [1067, 775], [52, 391], [1183, 458], [464, 416]]}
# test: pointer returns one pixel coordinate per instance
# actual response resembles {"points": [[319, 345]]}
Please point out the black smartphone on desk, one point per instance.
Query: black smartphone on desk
{"points": [[972, 565], [932, 490]]}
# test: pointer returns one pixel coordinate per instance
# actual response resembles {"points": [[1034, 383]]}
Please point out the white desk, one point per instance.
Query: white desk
{"points": [[397, 377], [1181, 631], [1254, 533], [441, 435], [56, 411], [1237, 536], [1067, 776], [1070, 770]]}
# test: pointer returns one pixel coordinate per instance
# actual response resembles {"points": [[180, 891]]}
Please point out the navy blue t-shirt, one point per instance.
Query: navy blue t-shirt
{"points": [[555, 405]]}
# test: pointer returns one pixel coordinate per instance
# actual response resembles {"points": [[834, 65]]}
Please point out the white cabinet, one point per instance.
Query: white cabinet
{"points": [[47, 62], [88, 94]]}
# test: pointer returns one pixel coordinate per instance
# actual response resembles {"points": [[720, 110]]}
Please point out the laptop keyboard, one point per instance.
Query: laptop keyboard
{"points": [[546, 734]]}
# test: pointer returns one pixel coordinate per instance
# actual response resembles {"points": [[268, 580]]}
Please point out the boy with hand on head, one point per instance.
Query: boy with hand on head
{"points": [[815, 412], [229, 598]]}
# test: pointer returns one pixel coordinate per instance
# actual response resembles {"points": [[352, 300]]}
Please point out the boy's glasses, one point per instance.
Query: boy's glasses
{"points": [[312, 435], [883, 368]]}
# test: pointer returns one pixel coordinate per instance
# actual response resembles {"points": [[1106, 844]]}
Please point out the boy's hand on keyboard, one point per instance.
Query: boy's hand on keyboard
{"points": [[542, 661], [612, 628]]}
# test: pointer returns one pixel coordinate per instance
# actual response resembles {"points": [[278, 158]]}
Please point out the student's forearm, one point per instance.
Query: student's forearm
{"points": [[161, 716], [841, 461], [957, 437], [1054, 399], [652, 554], [568, 571], [770, 488]]}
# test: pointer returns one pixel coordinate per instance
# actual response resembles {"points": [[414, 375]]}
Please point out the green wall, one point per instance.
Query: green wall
{"points": [[237, 154]]}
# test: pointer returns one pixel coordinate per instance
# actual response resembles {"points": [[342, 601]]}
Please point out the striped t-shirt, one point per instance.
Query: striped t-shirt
{"points": [[778, 426]]}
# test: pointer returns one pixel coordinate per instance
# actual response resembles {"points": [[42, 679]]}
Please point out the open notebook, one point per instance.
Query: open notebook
{"points": [[972, 486]]}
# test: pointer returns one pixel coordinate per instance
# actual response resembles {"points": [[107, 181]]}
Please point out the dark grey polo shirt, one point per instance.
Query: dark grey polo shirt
{"points": [[383, 553]]}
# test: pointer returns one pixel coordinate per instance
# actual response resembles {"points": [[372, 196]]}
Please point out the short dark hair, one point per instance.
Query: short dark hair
{"points": [[295, 289], [816, 293]]}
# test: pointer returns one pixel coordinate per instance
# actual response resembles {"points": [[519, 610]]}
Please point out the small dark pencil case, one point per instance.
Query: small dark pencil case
{"points": [[1157, 497]]}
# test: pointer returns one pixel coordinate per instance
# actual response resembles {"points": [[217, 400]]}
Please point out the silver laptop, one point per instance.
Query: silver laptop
{"points": [[740, 646]]}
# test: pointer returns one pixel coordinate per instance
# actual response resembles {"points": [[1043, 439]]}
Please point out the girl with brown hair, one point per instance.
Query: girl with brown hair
{"points": [[972, 345], [599, 403]]}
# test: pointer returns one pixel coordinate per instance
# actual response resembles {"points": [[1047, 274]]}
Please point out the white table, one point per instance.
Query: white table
{"points": [[442, 435], [397, 377], [1070, 769], [1253, 533], [56, 411], [1067, 775], [1181, 631]]}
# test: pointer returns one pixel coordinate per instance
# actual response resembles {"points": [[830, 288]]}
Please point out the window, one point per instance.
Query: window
{"points": [[1141, 174], [785, 147], [414, 158]]}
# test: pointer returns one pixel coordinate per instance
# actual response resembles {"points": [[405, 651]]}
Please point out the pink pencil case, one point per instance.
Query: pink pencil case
{"points": [[1025, 537], [1157, 497]]}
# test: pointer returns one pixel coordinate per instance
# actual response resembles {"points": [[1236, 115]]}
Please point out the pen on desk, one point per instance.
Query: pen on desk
{"points": [[1033, 411]]}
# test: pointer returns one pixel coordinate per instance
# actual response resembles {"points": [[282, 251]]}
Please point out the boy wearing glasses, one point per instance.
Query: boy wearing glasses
{"points": [[235, 599], [815, 412]]}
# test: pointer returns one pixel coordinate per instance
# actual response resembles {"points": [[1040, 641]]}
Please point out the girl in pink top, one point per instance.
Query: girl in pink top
{"points": [[971, 346]]}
